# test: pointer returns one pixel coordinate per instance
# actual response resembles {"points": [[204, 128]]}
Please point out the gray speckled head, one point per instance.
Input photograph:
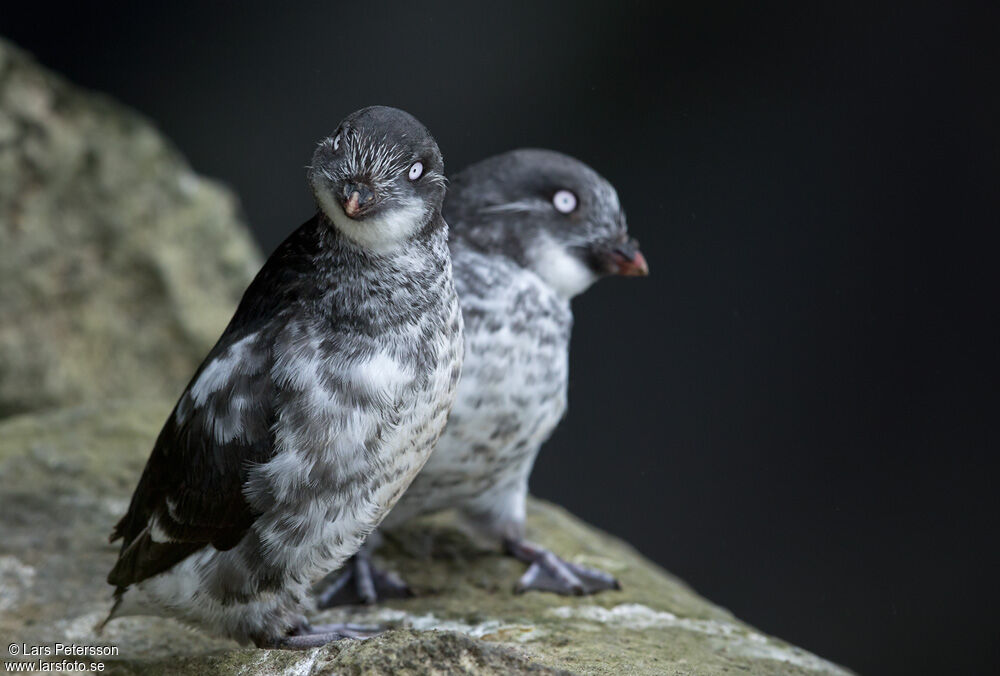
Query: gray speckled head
{"points": [[379, 178], [549, 212]]}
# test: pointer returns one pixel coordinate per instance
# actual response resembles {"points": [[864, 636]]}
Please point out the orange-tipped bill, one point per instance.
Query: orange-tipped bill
{"points": [[635, 266], [352, 206]]}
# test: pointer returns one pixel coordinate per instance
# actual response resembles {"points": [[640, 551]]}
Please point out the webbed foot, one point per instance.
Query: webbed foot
{"points": [[359, 582], [306, 636], [547, 572]]}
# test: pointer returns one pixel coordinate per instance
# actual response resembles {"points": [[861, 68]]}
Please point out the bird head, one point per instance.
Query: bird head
{"points": [[549, 212], [379, 178]]}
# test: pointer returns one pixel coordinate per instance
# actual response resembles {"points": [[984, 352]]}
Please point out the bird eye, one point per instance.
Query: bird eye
{"points": [[416, 170], [564, 201], [336, 142]]}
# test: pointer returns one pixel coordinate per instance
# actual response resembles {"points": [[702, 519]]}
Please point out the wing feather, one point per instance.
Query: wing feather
{"points": [[191, 494]]}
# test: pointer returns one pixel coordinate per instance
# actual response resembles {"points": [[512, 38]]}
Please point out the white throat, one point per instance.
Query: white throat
{"points": [[385, 232], [561, 270]]}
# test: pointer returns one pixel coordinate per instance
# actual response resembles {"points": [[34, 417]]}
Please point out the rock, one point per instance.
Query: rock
{"points": [[119, 266], [66, 475]]}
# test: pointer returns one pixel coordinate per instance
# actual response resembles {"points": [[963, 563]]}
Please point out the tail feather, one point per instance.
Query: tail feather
{"points": [[119, 593]]}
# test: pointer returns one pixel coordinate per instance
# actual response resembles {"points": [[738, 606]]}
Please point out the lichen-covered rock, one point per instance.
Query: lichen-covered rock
{"points": [[66, 475], [119, 267]]}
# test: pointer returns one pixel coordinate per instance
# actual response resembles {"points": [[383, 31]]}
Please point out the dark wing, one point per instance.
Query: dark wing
{"points": [[191, 491]]}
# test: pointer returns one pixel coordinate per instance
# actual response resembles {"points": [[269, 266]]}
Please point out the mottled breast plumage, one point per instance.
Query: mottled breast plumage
{"points": [[309, 418]]}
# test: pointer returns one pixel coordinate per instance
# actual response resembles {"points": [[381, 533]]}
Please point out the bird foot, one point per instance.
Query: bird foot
{"points": [[306, 636], [359, 582], [547, 572]]}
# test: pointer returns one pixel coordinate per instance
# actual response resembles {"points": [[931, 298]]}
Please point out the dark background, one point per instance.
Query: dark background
{"points": [[792, 412]]}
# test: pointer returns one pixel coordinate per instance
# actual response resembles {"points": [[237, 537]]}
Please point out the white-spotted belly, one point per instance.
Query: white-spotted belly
{"points": [[511, 397]]}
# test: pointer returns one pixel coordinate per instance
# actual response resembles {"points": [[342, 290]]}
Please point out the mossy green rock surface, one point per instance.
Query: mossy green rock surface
{"points": [[119, 266], [66, 476]]}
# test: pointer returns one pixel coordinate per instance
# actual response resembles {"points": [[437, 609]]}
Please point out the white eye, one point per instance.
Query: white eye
{"points": [[564, 201], [416, 170], [336, 142]]}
